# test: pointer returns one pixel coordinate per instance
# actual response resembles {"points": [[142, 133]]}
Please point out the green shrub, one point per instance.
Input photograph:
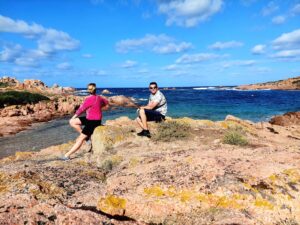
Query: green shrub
{"points": [[170, 131], [3, 85], [20, 98], [235, 136]]}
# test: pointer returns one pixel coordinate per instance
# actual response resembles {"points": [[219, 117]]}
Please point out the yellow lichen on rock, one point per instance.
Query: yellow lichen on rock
{"points": [[105, 137], [260, 202], [112, 205], [155, 191], [23, 155]]}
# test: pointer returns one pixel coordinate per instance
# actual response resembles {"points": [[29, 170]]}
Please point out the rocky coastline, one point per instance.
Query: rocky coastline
{"points": [[62, 102], [214, 179], [288, 84]]}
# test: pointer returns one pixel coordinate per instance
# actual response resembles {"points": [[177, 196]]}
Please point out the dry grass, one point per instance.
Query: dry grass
{"points": [[171, 131]]}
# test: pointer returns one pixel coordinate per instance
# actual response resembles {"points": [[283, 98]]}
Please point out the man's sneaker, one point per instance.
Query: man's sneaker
{"points": [[144, 133]]}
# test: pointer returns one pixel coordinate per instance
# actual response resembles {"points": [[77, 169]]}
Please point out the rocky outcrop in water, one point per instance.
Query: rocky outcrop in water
{"points": [[288, 84], [32, 85], [16, 118], [194, 178]]}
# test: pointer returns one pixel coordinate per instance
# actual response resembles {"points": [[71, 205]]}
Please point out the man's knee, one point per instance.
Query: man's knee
{"points": [[142, 111]]}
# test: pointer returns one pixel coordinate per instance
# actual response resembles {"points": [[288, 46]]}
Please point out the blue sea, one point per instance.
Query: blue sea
{"points": [[212, 103]]}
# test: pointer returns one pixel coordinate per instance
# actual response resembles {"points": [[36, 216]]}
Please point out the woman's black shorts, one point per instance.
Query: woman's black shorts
{"points": [[89, 125]]}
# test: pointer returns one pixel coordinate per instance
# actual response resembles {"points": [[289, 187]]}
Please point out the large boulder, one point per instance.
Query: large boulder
{"points": [[290, 118]]}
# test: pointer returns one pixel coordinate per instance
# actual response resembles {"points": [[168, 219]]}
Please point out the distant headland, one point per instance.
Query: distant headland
{"points": [[287, 84]]}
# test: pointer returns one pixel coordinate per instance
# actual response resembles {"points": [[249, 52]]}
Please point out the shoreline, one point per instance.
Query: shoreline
{"points": [[176, 178], [48, 130]]}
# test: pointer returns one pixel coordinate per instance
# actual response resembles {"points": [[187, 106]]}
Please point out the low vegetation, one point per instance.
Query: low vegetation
{"points": [[3, 85], [20, 98], [170, 131], [235, 136]]}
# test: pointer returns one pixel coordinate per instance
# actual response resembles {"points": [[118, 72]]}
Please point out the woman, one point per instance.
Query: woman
{"points": [[93, 105]]}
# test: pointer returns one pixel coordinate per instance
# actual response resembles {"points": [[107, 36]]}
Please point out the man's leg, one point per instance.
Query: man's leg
{"points": [[138, 120], [77, 144], [76, 124], [143, 119]]}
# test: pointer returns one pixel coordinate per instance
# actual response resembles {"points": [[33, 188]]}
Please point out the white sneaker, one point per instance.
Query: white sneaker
{"points": [[89, 145]]}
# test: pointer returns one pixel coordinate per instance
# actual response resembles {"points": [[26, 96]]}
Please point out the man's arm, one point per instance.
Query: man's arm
{"points": [[151, 105]]}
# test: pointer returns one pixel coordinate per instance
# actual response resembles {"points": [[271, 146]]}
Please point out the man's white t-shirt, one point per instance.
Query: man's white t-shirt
{"points": [[162, 102]]}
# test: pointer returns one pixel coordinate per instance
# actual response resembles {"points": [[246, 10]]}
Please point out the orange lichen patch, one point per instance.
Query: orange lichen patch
{"points": [[260, 202], [3, 185], [23, 155], [112, 205], [154, 191]]}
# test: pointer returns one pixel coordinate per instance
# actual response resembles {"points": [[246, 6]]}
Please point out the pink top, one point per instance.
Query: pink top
{"points": [[92, 105]]}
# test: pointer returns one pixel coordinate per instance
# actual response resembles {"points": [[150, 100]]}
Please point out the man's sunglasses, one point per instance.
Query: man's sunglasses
{"points": [[152, 88]]}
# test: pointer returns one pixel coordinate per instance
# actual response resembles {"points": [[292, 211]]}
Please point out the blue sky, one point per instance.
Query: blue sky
{"points": [[128, 43]]}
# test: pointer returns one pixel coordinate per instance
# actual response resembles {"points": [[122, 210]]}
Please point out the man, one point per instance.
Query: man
{"points": [[92, 105], [155, 110]]}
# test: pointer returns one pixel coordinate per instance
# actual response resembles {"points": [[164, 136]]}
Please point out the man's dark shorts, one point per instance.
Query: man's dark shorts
{"points": [[153, 115], [89, 125]]}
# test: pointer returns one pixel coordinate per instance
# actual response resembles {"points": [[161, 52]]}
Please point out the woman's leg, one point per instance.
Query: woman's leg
{"points": [[77, 145], [76, 124]]}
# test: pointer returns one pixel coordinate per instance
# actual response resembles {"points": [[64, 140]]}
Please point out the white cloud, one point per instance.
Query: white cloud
{"points": [[269, 9], [258, 49], [172, 48], [49, 42], [222, 45], [97, 72], [143, 71], [161, 44], [15, 53], [189, 13], [287, 54], [87, 56], [26, 62], [197, 58], [64, 66], [296, 9], [238, 63], [10, 53], [278, 20], [287, 40], [171, 67], [129, 64]]}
